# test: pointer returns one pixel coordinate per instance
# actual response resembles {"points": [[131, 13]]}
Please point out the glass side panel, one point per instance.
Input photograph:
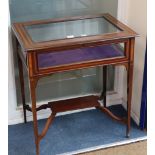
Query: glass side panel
{"points": [[70, 29]]}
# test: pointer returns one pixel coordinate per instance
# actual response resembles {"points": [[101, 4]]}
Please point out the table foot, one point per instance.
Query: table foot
{"points": [[127, 135]]}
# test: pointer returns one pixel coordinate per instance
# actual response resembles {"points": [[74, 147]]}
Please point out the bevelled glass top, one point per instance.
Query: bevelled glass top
{"points": [[70, 29]]}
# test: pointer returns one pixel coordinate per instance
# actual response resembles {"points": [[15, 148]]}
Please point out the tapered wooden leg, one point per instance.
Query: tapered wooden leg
{"points": [[105, 85], [103, 95], [129, 84], [33, 83], [21, 77], [129, 97]]}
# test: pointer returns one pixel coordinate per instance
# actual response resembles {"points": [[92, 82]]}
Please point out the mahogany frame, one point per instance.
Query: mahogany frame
{"points": [[32, 49]]}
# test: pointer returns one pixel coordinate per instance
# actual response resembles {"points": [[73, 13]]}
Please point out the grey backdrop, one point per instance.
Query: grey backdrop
{"points": [[66, 84]]}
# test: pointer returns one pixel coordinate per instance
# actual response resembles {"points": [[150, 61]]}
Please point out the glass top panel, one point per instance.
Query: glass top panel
{"points": [[70, 29]]}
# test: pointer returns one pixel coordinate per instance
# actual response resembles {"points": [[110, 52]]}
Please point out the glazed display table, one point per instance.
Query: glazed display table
{"points": [[58, 45]]}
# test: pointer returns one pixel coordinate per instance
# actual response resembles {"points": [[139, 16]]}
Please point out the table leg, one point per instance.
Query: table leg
{"points": [[33, 84], [103, 95], [129, 97], [21, 77]]}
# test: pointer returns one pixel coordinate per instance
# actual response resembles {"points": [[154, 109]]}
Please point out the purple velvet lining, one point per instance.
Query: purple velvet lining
{"points": [[79, 55]]}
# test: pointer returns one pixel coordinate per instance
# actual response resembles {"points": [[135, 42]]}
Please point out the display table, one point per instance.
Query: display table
{"points": [[58, 45]]}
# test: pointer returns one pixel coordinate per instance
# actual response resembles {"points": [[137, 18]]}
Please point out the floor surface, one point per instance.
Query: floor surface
{"points": [[138, 148], [72, 133]]}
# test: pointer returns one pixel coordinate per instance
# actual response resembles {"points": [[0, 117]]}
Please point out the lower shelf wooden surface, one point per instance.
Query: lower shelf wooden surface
{"points": [[75, 104]]}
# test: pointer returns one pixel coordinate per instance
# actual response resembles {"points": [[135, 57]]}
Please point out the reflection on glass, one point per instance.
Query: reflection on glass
{"points": [[70, 29]]}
